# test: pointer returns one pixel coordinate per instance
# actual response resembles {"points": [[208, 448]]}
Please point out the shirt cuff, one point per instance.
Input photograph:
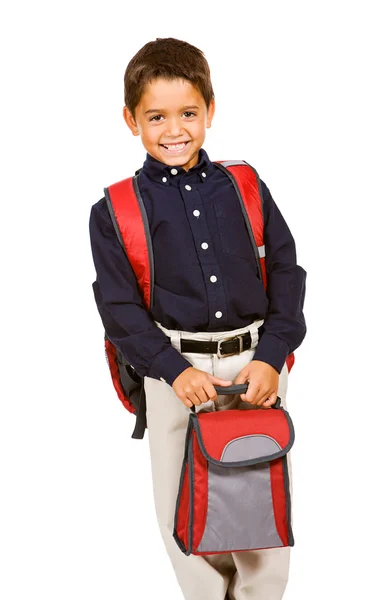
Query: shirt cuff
{"points": [[168, 365], [272, 350]]}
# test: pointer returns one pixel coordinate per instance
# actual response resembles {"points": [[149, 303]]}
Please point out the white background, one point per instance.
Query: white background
{"points": [[297, 96]]}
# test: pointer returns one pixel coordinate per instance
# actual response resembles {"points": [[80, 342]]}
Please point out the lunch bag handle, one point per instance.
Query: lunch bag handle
{"points": [[239, 388]]}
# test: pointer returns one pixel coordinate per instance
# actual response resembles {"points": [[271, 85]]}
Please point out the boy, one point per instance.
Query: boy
{"points": [[206, 289]]}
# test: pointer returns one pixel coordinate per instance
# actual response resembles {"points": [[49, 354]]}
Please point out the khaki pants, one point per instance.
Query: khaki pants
{"points": [[249, 575]]}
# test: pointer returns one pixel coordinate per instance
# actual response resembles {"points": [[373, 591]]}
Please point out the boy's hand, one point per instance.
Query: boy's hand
{"points": [[194, 386], [263, 383]]}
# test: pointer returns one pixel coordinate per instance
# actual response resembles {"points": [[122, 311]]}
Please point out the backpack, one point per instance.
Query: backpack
{"points": [[129, 218]]}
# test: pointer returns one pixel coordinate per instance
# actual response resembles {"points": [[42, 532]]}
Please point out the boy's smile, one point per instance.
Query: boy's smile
{"points": [[171, 118]]}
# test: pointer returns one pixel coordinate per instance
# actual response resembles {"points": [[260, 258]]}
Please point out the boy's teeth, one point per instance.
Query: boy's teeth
{"points": [[174, 145]]}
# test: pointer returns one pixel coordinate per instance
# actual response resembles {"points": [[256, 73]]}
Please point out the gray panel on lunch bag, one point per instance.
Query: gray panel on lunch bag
{"points": [[248, 447], [240, 513]]}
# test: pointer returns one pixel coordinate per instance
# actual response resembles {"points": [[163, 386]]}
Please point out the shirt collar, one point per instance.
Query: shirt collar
{"points": [[166, 174]]}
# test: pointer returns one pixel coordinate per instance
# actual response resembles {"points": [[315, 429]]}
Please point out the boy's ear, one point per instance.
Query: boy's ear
{"points": [[131, 123], [210, 113]]}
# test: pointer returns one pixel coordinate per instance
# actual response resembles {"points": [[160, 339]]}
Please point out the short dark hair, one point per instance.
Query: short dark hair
{"points": [[168, 58]]}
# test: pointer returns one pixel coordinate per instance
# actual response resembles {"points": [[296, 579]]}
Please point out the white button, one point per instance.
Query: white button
{"points": [[196, 213], [213, 278], [174, 171], [164, 179], [218, 314], [203, 174], [204, 245], [161, 379], [188, 187]]}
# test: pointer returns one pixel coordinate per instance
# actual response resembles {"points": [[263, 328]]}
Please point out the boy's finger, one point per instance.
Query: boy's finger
{"points": [[270, 401], [252, 393], [210, 390], [265, 397]]}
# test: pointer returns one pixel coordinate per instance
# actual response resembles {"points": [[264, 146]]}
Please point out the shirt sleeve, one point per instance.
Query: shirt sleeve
{"points": [[284, 327], [128, 325]]}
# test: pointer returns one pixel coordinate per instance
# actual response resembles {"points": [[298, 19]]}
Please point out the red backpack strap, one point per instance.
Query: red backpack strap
{"points": [[246, 182], [130, 221], [128, 214]]}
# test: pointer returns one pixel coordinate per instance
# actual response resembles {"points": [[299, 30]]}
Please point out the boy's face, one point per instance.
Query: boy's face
{"points": [[171, 112]]}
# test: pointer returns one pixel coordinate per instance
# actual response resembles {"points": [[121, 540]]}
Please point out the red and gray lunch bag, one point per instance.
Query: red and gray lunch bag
{"points": [[234, 486]]}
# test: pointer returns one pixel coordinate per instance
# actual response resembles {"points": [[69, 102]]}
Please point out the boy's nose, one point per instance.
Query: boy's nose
{"points": [[174, 128]]}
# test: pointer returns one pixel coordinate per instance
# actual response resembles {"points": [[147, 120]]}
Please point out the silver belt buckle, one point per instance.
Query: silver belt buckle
{"points": [[240, 337]]}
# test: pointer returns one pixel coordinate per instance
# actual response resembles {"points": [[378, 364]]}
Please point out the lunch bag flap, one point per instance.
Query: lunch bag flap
{"points": [[243, 437]]}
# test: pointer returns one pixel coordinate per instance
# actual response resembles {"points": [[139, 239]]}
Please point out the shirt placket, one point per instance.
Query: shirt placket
{"points": [[195, 210]]}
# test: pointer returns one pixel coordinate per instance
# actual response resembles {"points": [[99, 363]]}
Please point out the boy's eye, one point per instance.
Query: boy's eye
{"points": [[187, 112]]}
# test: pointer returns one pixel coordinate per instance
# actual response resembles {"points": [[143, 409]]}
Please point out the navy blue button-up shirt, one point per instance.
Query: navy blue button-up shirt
{"points": [[206, 276]]}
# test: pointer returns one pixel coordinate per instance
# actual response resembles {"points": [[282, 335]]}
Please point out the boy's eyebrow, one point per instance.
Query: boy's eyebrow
{"points": [[152, 110]]}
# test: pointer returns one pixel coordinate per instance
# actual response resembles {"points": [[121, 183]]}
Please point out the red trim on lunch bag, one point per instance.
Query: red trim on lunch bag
{"points": [[183, 512], [129, 218], [113, 366], [279, 499], [200, 474]]}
